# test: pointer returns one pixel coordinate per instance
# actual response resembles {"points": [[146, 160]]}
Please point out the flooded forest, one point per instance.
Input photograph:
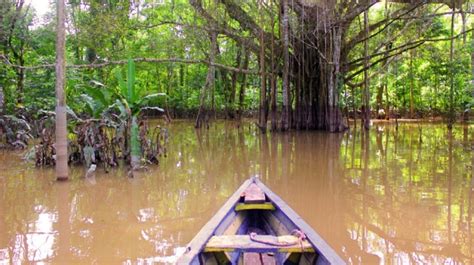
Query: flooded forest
{"points": [[127, 126]]}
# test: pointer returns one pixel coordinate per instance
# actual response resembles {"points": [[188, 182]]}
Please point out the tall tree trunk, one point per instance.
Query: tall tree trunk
{"points": [[210, 80], [463, 19], [20, 81], [451, 72], [387, 48], [231, 100], [471, 106], [285, 120], [472, 63], [273, 95], [387, 102], [243, 81], [378, 107], [335, 82], [412, 85], [61, 120], [262, 121], [366, 95]]}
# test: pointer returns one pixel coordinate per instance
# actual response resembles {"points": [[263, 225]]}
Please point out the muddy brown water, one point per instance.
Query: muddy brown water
{"points": [[390, 196]]}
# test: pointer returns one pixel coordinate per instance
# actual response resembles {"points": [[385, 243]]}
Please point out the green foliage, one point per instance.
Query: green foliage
{"points": [[104, 31]]}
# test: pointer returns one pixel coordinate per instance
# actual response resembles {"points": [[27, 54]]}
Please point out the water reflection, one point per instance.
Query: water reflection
{"points": [[387, 196]]}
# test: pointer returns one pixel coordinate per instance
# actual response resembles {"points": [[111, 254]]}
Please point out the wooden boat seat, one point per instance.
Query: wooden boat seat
{"points": [[253, 198], [253, 194], [254, 206], [243, 243]]}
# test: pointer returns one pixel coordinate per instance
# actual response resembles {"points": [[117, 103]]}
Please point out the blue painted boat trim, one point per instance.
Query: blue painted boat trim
{"points": [[226, 213], [217, 222]]}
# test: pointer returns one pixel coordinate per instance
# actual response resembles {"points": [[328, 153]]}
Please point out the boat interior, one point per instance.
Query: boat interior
{"points": [[257, 231]]}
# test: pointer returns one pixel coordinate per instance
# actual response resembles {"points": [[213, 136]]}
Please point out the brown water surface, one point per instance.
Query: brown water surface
{"points": [[390, 196]]}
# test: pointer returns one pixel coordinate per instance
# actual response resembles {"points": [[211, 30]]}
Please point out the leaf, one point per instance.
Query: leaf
{"points": [[72, 113], [135, 151], [121, 107], [19, 121], [97, 83], [131, 81], [97, 94], [153, 108], [90, 106], [150, 97], [47, 112], [122, 85]]}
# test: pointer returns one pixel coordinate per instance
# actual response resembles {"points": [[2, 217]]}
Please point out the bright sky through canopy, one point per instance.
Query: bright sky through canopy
{"points": [[41, 6]]}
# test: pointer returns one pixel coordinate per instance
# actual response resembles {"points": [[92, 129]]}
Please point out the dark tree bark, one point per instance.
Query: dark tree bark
{"points": [[262, 121], [285, 120], [412, 86], [472, 66], [378, 106], [203, 113], [273, 95], [243, 82], [233, 89], [366, 93], [451, 72]]}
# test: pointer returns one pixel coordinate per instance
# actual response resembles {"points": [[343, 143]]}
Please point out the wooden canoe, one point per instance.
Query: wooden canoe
{"points": [[255, 226]]}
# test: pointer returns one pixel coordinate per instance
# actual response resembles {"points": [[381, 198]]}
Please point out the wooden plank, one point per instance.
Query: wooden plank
{"points": [[253, 194], [327, 254], [222, 218], [276, 224], [279, 257], [254, 206], [259, 258], [236, 224], [244, 243]]}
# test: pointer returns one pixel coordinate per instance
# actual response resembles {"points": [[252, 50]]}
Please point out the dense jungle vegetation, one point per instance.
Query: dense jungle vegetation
{"points": [[299, 64]]}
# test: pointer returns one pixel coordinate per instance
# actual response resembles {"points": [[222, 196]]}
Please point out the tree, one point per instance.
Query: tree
{"points": [[313, 50], [285, 121], [61, 120]]}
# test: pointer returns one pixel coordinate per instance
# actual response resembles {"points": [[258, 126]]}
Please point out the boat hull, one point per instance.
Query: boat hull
{"points": [[255, 226]]}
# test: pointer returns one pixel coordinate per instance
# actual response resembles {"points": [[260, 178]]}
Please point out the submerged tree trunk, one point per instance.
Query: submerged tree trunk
{"points": [[313, 63], [472, 68], [366, 94], [412, 86], [451, 72], [262, 117], [317, 78], [285, 120], [378, 106], [61, 120], [243, 82], [273, 95], [203, 113], [231, 99]]}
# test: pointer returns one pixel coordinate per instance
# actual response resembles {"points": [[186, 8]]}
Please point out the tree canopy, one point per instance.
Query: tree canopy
{"points": [[302, 64]]}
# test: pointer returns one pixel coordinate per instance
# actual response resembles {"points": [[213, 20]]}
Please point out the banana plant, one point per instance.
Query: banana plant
{"points": [[127, 99], [131, 104]]}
